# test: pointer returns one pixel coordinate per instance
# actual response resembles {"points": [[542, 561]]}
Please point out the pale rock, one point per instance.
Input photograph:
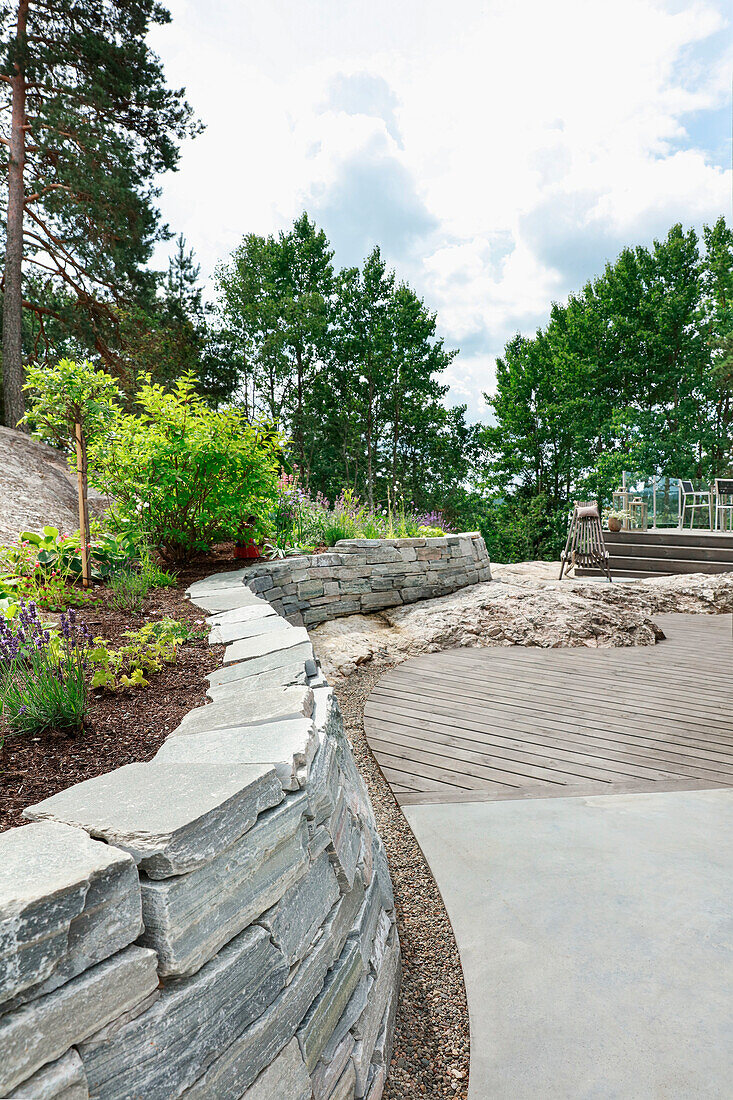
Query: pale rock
{"points": [[226, 599], [288, 746], [172, 818], [368, 919], [345, 843], [291, 674], [295, 655], [324, 781], [383, 989], [324, 1014], [524, 604], [326, 1074], [344, 1090], [280, 640], [252, 628], [66, 903], [256, 1047], [260, 610], [218, 582], [247, 708], [349, 1017], [43, 1030], [376, 1083]]}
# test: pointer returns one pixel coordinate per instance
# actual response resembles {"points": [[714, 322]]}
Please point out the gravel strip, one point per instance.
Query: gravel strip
{"points": [[431, 1040]]}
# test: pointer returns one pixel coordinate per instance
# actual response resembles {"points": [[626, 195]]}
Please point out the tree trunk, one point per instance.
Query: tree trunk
{"points": [[305, 469], [81, 481], [14, 399]]}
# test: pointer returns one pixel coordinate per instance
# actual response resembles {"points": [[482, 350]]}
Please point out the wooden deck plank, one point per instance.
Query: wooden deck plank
{"points": [[686, 695], [516, 723], [587, 741], [591, 754], [529, 712]]}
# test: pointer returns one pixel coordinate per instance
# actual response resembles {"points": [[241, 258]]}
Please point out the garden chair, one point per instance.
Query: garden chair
{"points": [[723, 503], [585, 544], [692, 498]]}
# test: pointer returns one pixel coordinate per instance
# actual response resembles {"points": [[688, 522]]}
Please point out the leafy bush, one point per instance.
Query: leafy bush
{"points": [[43, 679], [146, 651], [183, 473]]}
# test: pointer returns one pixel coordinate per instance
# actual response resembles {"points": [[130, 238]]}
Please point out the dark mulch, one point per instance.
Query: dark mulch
{"points": [[121, 728], [432, 1039]]}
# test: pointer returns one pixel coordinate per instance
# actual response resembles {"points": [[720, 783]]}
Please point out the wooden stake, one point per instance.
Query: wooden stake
{"points": [[81, 482]]}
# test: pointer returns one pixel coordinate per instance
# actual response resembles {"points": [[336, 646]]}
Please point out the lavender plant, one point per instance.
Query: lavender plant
{"points": [[43, 673]]}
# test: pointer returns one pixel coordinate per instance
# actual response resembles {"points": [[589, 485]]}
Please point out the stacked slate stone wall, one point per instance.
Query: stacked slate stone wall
{"points": [[364, 575], [217, 923]]}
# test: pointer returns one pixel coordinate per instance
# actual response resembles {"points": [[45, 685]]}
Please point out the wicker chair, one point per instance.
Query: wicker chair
{"points": [[585, 544]]}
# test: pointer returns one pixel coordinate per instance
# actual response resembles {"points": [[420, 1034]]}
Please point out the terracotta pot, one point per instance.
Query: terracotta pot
{"points": [[614, 524], [248, 550]]}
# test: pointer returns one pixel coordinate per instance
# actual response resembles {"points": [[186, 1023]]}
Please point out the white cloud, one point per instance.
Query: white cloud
{"points": [[499, 153]]}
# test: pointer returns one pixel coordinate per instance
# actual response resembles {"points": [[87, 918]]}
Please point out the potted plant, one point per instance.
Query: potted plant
{"points": [[246, 546], [616, 520]]}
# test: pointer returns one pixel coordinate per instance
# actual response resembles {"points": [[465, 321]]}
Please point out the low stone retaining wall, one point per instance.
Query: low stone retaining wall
{"points": [[364, 575], [217, 923]]}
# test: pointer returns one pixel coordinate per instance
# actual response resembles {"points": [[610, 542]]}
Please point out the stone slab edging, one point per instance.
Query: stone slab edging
{"points": [[360, 576], [219, 922]]}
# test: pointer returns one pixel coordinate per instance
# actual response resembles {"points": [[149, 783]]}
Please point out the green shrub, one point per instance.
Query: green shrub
{"points": [[183, 473]]}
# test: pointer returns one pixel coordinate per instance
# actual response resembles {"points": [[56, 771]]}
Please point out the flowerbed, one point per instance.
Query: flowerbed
{"points": [[120, 727]]}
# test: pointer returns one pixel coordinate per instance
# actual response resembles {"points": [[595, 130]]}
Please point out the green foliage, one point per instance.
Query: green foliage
{"points": [[182, 473], [128, 588], [68, 392], [101, 128], [348, 365], [61, 554], [300, 519], [522, 528], [145, 652], [633, 374], [274, 312]]}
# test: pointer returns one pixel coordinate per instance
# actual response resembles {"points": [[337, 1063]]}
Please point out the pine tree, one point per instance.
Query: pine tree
{"points": [[89, 123]]}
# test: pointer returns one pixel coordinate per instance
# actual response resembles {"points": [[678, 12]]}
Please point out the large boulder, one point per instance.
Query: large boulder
{"points": [[524, 605], [36, 487]]}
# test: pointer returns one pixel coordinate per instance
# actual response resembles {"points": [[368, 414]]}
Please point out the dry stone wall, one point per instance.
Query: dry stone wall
{"points": [[367, 575], [217, 923]]}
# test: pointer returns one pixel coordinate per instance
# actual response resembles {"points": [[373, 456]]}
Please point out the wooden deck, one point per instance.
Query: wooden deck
{"points": [[486, 724]]}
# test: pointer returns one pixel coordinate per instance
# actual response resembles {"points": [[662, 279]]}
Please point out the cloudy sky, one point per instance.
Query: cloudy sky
{"points": [[499, 152]]}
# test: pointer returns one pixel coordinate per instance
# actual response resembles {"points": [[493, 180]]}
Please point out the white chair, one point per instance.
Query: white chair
{"points": [[693, 498], [723, 503]]}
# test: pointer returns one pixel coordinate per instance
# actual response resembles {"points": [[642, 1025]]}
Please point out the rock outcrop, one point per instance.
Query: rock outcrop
{"points": [[36, 487], [524, 605]]}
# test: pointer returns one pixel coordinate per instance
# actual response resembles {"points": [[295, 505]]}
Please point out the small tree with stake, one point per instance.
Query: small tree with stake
{"points": [[69, 403]]}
